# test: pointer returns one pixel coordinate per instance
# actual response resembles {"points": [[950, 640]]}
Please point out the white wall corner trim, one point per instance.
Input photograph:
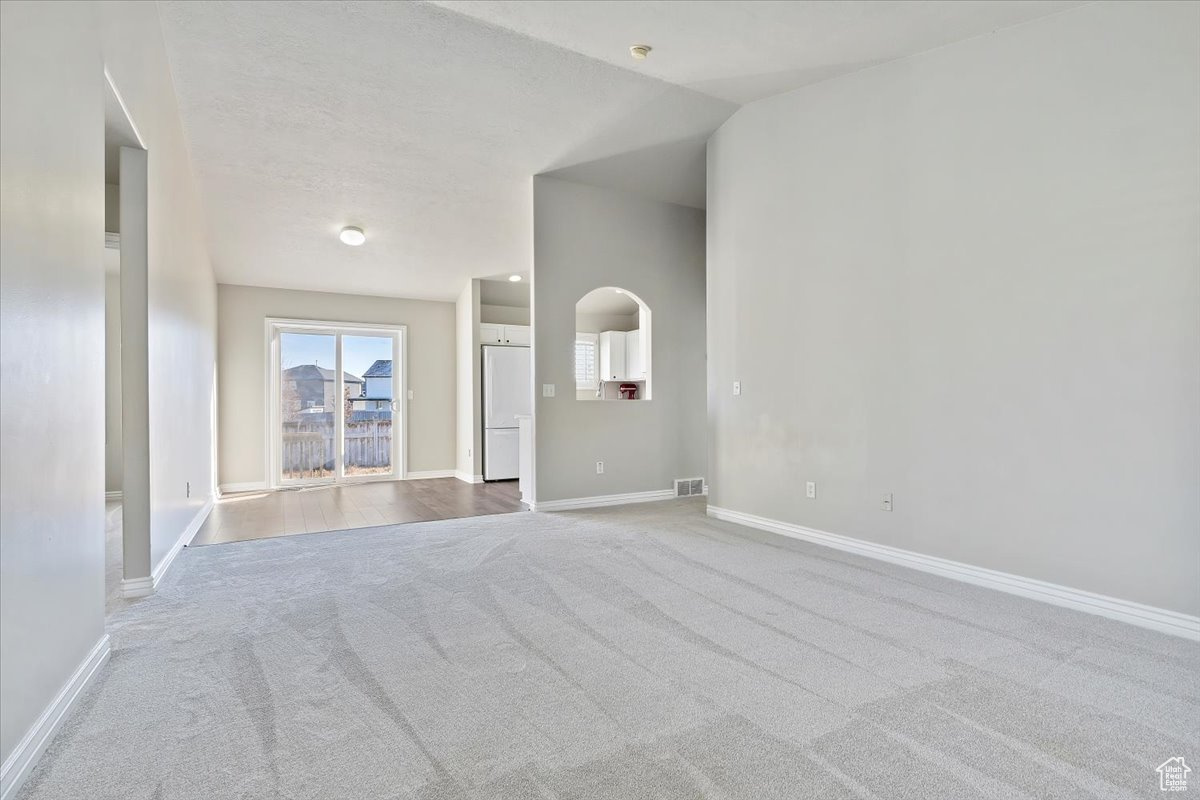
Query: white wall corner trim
{"points": [[137, 587], [1157, 619], [17, 766], [467, 477], [602, 500], [142, 587], [426, 474], [183, 541], [111, 496], [247, 486]]}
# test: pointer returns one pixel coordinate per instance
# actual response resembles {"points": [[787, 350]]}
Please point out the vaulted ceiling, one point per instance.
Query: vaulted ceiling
{"points": [[423, 123], [744, 50]]}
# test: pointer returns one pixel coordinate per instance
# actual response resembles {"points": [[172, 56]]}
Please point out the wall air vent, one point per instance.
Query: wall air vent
{"points": [[687, 487]]}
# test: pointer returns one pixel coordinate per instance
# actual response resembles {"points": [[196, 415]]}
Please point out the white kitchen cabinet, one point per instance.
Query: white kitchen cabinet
{"points": [[490, 333], [516, 334], [612, 356], [635, 356]]}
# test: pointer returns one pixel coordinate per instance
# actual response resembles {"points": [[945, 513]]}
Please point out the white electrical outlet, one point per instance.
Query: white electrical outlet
{"points": [[411, 395], [737, 388], [810, 489], [887, 502], [547, 390], [599, 467]]}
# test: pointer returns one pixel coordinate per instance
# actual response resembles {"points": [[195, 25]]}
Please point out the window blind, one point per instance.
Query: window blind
{"points": [[585, 360]]}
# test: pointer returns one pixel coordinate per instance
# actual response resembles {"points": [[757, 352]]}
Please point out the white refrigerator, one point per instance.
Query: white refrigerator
{"points": [[507, 392]]}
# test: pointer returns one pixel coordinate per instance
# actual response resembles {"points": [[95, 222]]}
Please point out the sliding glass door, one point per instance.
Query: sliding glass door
{"points": [[306, 392], [335, 399], [370, 420]]}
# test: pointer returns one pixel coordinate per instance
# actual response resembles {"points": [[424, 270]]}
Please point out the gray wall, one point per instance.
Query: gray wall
{"points": [[242, 370], [504, 315], [52, 330], [596, 323], [112, 208], [586, 237], [468, 425], [503, 292], [112, 371], [51, 353], [181, 293], [972, 278]]}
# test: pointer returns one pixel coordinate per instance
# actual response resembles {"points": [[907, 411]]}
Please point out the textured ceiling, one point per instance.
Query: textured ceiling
{"points": [[422, 126], [747, 50]]}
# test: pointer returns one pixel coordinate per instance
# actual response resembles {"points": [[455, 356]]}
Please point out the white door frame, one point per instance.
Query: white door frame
{"points": [[274, 326]]}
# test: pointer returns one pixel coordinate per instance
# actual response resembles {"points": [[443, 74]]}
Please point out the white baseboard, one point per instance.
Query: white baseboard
{"points": [[467, 477], [1158, 619], [17, 766], [111, 496], [183, 541], [602, 500], [137, 587], [425, 474], [247, 486], [142, 587], [262, 486]]}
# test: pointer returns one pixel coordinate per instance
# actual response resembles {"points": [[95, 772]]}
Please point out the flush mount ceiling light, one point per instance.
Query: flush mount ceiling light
{"points": [[514, 278], [352, 236], [639, 51]]}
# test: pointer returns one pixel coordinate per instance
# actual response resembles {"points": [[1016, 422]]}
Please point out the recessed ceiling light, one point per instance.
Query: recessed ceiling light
{"points": [[514, 278], [352, 236], [639, 51]]}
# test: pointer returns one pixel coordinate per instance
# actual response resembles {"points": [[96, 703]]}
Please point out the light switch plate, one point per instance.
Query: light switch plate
{"points": [[547, 390], [737, 388]]}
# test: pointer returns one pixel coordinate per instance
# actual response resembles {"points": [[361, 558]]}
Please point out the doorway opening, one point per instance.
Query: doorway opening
{"points": [[337, 408], [612, 346], [128, 571], [336, 395]]}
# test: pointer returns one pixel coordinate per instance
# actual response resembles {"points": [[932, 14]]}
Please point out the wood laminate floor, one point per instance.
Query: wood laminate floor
{"points": [[259, 515]]}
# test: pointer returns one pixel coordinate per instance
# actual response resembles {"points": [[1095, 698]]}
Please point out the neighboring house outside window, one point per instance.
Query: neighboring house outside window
{"points": [[377, 389], [378, 379], [308, 386]]}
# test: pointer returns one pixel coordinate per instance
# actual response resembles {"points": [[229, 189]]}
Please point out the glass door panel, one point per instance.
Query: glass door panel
{"points": [[307, 405], [370, 404]]}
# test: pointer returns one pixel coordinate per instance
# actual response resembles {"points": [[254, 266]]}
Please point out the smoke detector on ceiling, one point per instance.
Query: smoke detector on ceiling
{"points": [[639, 51]]}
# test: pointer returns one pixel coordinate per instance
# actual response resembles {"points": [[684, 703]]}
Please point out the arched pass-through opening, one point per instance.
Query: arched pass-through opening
{"points": [[612, 346]]}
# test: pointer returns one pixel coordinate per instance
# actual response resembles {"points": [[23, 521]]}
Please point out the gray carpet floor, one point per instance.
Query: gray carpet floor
{"points": [[640, 652]]}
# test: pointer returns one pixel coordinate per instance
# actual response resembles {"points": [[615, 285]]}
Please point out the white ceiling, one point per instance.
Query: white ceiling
{"points": [[750, 49], [424, 125]]}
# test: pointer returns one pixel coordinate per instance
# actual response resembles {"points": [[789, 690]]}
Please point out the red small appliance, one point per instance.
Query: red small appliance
{"points": [[629, 391]]}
